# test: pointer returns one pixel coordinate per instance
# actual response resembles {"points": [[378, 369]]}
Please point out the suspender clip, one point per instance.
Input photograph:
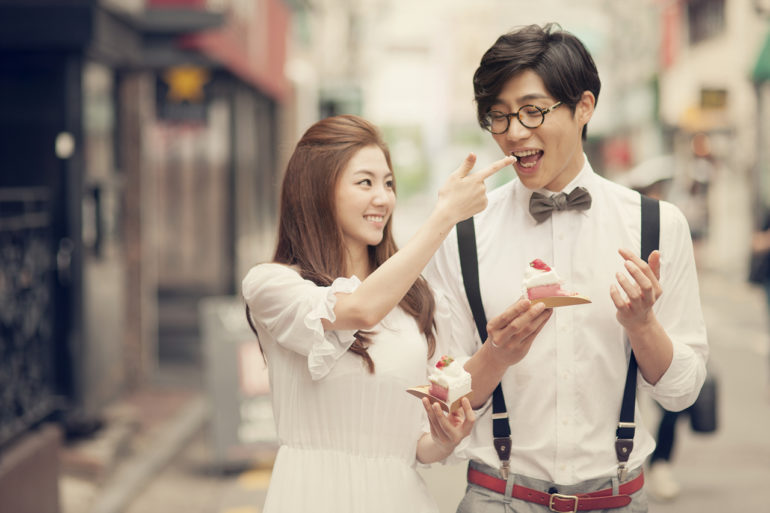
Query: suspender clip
{"points": [[623, 447], [503, 448]]}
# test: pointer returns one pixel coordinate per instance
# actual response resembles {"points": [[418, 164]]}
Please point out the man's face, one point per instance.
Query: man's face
{"points": [[551, 155]]}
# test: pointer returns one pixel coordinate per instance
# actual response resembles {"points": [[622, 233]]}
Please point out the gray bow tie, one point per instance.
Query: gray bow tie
{"points": [[541, 206]]}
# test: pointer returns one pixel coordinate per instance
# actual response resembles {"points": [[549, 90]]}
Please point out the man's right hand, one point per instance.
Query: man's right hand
{"points": [[511, 333], [509, 337]]}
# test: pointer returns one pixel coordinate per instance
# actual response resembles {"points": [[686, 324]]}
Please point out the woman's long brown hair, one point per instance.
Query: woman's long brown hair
{"points": [[309, 236]]}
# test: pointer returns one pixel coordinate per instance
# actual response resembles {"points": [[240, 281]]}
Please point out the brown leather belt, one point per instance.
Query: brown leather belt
{"points": [[601, 499]]}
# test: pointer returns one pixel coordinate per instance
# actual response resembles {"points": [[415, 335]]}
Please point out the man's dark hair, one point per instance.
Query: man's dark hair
{"points": [[558, 57]]}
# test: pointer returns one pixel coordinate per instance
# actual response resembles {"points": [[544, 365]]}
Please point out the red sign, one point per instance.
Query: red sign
{"points": [[251, 44], [671, 20]]}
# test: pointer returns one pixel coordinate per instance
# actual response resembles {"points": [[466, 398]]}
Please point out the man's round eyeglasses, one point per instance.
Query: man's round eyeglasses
{"points": [[530, 116]]}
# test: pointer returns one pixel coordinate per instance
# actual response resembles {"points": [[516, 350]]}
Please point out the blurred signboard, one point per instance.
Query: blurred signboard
{"points": [[713, 98], [182, 94], [242, 424]]}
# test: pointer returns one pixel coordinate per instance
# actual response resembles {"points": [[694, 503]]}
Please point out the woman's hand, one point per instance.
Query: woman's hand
{"points": [[465, 194], [446, 430]]}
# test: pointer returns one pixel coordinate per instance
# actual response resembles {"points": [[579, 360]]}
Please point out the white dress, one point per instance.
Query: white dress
{"points": [[347, 437]]}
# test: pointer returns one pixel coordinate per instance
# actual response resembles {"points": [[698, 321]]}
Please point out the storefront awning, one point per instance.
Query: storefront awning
{"points": [[178, 21], [117, 35]]}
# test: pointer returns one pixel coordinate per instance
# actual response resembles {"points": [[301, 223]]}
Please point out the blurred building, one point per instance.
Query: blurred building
{"points": [[408, 66], [711, 113], [139, 168]]}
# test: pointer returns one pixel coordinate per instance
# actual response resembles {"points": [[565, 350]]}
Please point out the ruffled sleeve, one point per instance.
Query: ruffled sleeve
{"points": [[291, 309]]}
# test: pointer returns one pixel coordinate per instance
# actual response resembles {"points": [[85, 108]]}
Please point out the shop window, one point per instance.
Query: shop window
{"points": [[705, 19]]}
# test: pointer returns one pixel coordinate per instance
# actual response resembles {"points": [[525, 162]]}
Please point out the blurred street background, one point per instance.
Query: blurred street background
{"points": [[142, 144]]}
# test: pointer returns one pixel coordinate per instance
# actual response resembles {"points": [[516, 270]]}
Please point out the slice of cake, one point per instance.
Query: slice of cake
{"points": [[449, 381], [541, 283]]}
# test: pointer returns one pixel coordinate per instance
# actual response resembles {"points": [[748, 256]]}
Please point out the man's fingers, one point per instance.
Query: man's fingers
{"points": [[531, 337], [496, 166], [510, 313], [642, 279], [631, 288], [630, 255], [654, 261], [650, 269], [617, 297], [528, 323]]}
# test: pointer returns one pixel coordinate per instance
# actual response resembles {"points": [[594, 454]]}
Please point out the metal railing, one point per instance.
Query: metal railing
{"points": [[27, 338]]}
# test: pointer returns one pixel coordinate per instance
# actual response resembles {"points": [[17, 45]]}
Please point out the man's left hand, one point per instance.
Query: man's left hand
{"points": [[640, 291]]}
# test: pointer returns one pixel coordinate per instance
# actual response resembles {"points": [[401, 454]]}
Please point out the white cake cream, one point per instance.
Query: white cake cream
{"points": [[541, 283], [449, 381]]}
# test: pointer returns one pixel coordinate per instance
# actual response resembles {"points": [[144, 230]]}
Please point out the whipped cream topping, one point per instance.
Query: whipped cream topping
{"points": [[537, 277], [452, 376]]}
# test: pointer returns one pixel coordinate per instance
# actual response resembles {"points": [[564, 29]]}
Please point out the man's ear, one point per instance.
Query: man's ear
{"points": [[585, 107]]}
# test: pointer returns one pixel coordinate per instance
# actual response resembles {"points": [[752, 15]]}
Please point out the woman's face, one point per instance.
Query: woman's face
{"points": [[364, 199]]}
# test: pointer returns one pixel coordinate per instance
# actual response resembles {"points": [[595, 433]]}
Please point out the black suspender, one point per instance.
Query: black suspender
{"points": [[624, 435], [501, 430]]}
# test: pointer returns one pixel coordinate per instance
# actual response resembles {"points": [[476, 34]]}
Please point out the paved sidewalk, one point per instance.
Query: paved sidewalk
{"points": [[191, 485], [142, 433], [730, 469]]}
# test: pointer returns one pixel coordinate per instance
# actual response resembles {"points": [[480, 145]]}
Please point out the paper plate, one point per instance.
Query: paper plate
{"points": [[422, 391], [556, 301]]}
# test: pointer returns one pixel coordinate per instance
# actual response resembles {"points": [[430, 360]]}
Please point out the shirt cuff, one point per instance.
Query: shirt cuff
{"points": [[680, 384]]}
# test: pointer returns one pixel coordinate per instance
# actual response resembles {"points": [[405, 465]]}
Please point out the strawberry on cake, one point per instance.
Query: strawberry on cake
{"points": [[541, 283], [449, 381]]}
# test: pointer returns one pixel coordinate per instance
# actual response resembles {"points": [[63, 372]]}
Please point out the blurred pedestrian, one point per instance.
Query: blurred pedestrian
{"points": [[562, 371], [652, 177], [759, 272], [690, 190], [347, 324], [690, 193], [662, 483], [759, 267]]}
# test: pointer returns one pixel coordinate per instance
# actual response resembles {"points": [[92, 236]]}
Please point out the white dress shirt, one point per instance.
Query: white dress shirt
{"points": [[564, 397]]}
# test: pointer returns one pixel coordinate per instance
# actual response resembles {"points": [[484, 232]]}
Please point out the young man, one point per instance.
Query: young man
{"points": [[562, 371]]}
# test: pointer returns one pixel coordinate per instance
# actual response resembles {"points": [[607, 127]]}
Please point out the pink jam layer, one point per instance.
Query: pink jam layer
{"points": [[438, 391], [548, 291]]}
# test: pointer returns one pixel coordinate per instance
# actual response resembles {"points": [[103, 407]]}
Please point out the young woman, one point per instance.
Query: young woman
{"points": [[346, 324]]}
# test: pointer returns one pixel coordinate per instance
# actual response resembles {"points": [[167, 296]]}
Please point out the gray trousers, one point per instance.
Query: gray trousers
{"points": [[481, 500]]}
